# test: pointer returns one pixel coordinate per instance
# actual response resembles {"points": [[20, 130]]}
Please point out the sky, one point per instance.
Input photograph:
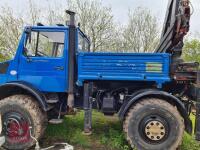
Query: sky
{"points": [[121, 8], [158, 8]]}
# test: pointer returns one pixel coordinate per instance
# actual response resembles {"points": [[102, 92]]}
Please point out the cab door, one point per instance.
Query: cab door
{"points": [[43, 60]]}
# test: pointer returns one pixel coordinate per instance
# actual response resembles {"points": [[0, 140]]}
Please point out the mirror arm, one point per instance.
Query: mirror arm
{"points": [[37, 43]]}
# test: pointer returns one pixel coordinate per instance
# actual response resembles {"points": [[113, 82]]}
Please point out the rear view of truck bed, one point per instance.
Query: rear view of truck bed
{"points": [[123, 66]]}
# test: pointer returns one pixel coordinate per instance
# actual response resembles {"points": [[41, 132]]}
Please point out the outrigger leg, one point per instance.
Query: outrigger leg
{"points": [[87, 109]]}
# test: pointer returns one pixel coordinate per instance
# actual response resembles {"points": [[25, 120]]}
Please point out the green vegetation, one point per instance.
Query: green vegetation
{"points": [[107, 134], [2, 58], [191, 50], [188, 141]]}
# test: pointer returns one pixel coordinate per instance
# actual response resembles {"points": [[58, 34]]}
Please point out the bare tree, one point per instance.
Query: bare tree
{"points": [[34, 13], [116, 42], [96, 21], [11, 27], [141, 33], [53, 16], [10, 32]]}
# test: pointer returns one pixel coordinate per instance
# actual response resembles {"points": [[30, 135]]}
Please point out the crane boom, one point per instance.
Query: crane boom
{"points": [[176, 26]]}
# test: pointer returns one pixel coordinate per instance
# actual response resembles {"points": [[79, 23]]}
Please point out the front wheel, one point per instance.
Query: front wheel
{"points": [[154, 124], [19, 114]]}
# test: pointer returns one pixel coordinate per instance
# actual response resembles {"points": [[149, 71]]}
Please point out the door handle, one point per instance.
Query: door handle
{"points": [[36, 60], [29, 60], [40, 60], [59, 68]]}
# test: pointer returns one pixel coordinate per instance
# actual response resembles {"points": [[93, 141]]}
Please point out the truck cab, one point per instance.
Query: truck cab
{"points": [[42, 56]]}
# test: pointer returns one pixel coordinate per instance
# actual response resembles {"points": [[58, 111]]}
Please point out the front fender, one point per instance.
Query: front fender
{"points": [[141, 94], [10, 88]]}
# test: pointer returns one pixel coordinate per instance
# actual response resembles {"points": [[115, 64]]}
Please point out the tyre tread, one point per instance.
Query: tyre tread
{"points": [[158, 102], [29, 104]]}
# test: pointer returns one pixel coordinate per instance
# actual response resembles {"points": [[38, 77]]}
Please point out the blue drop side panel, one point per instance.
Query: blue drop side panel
{"points": [[122, 66]]}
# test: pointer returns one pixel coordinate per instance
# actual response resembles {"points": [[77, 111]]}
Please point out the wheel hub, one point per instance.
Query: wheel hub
{"points": [[16, 128], [155, 130]]}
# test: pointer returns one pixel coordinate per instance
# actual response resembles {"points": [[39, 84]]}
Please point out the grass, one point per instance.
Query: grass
{"points": [[107, 134], [188, 141]]}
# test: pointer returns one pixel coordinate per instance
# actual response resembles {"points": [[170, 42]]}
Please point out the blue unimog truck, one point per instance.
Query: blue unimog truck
{"points": [[54, 72]]}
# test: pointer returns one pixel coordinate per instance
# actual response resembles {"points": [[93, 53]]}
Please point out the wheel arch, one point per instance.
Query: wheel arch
{"points": [[153, 93], [12, 88]]}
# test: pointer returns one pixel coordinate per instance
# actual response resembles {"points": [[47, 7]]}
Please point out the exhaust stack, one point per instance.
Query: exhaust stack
{"points": [[72, 17], [71, 60]]}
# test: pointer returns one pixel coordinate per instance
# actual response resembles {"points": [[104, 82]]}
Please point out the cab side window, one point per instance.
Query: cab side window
{"points": [[30, 44], [83, 44], [44, 44]]}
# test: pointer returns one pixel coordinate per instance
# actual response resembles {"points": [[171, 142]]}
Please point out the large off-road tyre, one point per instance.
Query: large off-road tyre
{"points": [[19, 113], [154, 124]]}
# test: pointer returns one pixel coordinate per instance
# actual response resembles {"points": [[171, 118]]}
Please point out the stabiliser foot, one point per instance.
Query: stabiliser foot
{"points": [[87, 109], [87, 133]]}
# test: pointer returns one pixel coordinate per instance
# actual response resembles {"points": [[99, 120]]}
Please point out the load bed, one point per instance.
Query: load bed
{"points": [[123, 67]]}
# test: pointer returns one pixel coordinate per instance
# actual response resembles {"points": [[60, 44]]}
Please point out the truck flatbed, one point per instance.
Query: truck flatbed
{"points": [[123, 66]]}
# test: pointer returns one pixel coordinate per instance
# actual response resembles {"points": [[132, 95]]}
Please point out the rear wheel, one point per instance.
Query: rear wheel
{"points": [[19, 113], [154, 124]]}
